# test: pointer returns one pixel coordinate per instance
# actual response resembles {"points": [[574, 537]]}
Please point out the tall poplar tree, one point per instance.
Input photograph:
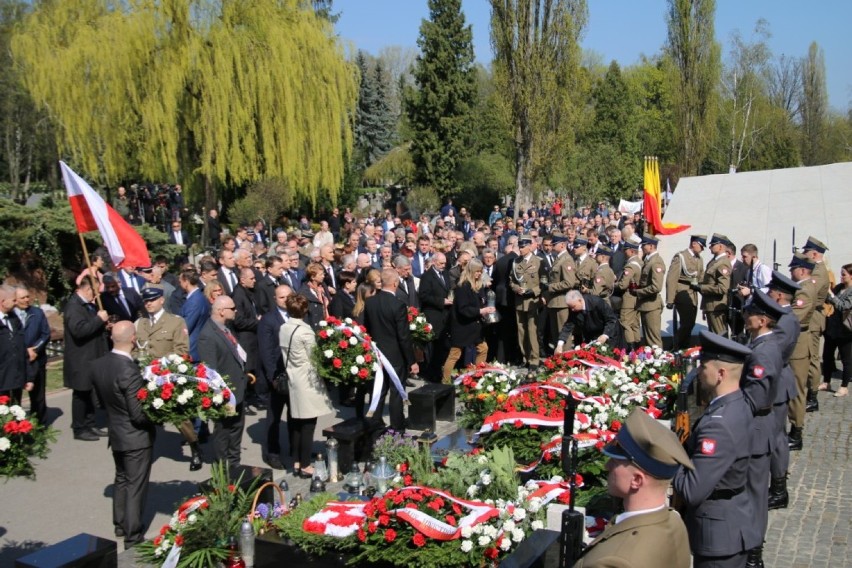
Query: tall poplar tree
{"points": [[813, 106], [439, 109], [536, 61], [696, 58], [204, 90]]}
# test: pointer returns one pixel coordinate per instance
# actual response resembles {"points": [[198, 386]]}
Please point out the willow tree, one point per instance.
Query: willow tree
{"points": [[536, 61], [211, 90], [696, 59]]}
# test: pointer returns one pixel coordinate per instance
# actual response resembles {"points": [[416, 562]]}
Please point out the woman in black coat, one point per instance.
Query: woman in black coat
{"points": [[466, 320], [344, 301], [314, 290], [837, 336]]}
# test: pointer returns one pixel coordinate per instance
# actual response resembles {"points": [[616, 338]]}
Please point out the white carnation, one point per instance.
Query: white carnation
{"points": [[18, 412], [506, 544], [472, 490], [328, 353], [323, 323], [486, 479], [534, 505], [466, 531], [359, 359], [192, 518], [484, 540], [348, 320], [217, 399], [353, 369], [353, 340], [517, 535], [5, 444], [412, 327], [537, 525], [467, 546], [509, 525], [151, 386], [175, 358], [182, 368], [519, 514], [4, 410], [158, 403]]}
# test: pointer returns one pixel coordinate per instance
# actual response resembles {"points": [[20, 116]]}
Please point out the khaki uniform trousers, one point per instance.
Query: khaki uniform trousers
{"points": [[528, 333], [796, 411], [816, 330]]}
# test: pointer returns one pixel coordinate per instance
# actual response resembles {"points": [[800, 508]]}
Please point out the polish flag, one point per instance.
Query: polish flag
{"points": [[91, 213]]}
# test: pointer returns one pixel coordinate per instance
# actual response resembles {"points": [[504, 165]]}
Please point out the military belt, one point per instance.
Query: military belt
{"points": [[723, 494], [763, 412]]}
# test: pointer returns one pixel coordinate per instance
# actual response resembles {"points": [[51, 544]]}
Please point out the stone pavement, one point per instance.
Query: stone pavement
{"points": [[73, 491]]}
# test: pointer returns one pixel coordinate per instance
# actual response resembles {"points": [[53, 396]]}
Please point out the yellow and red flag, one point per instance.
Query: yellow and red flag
{"points": [[653, 200]]}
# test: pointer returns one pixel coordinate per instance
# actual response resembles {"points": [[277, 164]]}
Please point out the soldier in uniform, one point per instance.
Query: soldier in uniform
{"points": [[803, 306], [604, 282], [715, 285], [814, 250], [685, 269], [760, 383], [563, 277], [718, 508], [648, 301], [643, 459], [524, 281], [629, 279], [586, 265]]}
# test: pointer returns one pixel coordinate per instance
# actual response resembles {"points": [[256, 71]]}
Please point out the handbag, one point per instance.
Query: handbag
{"points": [[281, 382], [847, 319]]}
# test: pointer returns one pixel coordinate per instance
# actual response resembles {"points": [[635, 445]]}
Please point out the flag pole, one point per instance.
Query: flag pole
{"points": [[96, 286]]}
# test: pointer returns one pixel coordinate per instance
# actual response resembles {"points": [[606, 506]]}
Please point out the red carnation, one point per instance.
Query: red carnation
{"points": [[178, 540], [347, 332], [411, 505], [518, 424], [419, 540], [363, 373], [166, 394], [390, 535], [203, 386], [201, 371], [336, 363], [226, 394], [4, 399], [384, 520], [616, 425], [406, 480], [164, 530], [491, 553], [11, 427], [158, 540], [372, 527], [362, 536], [368, 358], [206, 402], [343, 344], [25, 427], [451, 520], [403, 467], [142, 394], [323, 334]]}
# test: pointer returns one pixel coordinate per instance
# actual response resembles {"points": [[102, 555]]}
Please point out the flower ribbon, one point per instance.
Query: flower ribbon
{"points": [[188, 507], [214, 380], [484, 370]]}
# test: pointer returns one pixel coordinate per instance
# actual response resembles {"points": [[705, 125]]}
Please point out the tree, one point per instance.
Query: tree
{"points": [[695, 54], [536, 61], [203, 90], [813, 106], [649, 84], [439, 110]]}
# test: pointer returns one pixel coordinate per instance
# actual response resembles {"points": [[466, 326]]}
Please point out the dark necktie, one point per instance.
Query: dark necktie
{"points": [[441, 277], [124, 303], [233, 280]]}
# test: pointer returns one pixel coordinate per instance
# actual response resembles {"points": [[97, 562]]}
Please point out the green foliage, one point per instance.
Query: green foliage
{"points": [[423, 199], [394, 167], [265, 199], [26, 439], [439, 111], [289, 527], [483, 179], [375, 125], [650, 86], [813, 106]]}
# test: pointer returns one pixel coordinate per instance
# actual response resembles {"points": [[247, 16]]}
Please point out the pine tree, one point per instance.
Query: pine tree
{"points": [[385, 120], [439, 110]]}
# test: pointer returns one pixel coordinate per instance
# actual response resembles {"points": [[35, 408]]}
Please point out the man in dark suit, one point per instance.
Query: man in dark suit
{"points": [[386, 320], [422, 256], [85, 341], [228, 275], [214, 229], [125, 304], [739, 274], [131, 436], [36, 336], [271, 365], [13, 351], [195, 311], [433, 295], [245, 325], [219, 350], [407, 290], [264, 289], [177, 236], [591, 319], [508, 350]]}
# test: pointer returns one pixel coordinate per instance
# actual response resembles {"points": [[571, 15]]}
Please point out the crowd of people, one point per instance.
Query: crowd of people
{"points": [[506, 289]]}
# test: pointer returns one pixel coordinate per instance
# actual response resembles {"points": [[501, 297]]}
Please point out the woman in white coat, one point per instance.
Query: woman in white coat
{"points": [[308, 396]]}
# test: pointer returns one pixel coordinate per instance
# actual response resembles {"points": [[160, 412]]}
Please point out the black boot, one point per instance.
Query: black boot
{"points": [[812, 404], [795, 438], [755, 558], [778, 496], [196, 461]]}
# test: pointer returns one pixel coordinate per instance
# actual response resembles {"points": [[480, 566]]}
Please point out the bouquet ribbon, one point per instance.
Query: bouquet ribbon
{"points": [[188, 507], [213, 380]]}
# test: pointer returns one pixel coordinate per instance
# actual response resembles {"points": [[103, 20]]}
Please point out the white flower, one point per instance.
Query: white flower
{"points": [[353, 369], [466, 531], [484, 540], [467, 546], [192, 518], [490, 531], [517, 535], [537, 525], [534, 505], [506, 544], [158, 403], [323, 323], [175, 358], [353, 340], [486, 479], [348, 320], [519, 514], [490, 388], [509, 525], [4, 410], [481, 460], [472, 490], [151, 386], [18, 412], [217, 399], [328, 353], [412, 327], [182, 368], [5, 444], [359, 359]]}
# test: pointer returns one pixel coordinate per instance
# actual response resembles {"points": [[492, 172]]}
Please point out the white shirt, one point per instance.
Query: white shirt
{"points": [[627, 514]]}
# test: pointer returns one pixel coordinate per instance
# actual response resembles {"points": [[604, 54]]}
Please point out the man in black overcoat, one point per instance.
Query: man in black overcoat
{"points": [[85, 341], [433, 293], [590, 319], [13, 351], [118, 379], [36, 337], [271, 364], [386, 320], [508, 350]]}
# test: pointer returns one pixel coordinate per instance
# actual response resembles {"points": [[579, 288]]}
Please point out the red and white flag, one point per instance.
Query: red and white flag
{"points": [[91, 213]]}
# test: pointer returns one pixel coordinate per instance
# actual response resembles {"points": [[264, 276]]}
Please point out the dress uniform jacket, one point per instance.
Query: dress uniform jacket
{"points": [[718, 509], [786, 334], [563, 277], [649, 540], [803, 306], [604, 282], [168, 335], [685, 267], [715, 285], [631, 273], [586, 268], [85, 341], [526, 283], [651, 281]]}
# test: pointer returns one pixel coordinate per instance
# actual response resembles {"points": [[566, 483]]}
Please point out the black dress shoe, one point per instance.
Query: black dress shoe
{"points": [[247, 410], [195, 463], [86, 436], [273, 461], [102, 432], [119, 532]]}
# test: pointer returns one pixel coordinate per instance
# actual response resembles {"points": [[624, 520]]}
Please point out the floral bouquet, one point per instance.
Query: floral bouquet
{"points": [[177, 390], [481, 389], [421, 330], [21, 439], [344, 352]]}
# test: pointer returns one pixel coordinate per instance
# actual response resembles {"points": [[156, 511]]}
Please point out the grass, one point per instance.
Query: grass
{"points": [[54, 376]]}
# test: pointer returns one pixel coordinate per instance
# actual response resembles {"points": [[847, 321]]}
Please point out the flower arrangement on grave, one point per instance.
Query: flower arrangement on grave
{"points": [[345, 354], [421, 330], [22, 438], [176, 390], [481, 389]]}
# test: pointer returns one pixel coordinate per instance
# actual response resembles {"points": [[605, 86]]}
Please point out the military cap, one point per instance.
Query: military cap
{"points": [[762, 304], [581, 242], [109, 278], [717, 348], [604, 250], [815, 244], [149, 294], [801, 261], [631, 245], [649, 445], [783, 284], [650, 240], [307, 234], [559, 238], [700, 239], [524, 241], [717, 238]]}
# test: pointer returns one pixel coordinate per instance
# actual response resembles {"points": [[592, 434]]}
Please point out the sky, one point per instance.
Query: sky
{"points": [[625, 29]]}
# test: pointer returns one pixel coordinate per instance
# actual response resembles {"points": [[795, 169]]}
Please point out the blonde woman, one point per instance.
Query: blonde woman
{"points": [[213, 290], [364, 291], [466, 320]]}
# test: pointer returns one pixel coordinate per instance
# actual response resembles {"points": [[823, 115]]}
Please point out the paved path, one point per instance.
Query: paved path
{"points": [[73, 491]]}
